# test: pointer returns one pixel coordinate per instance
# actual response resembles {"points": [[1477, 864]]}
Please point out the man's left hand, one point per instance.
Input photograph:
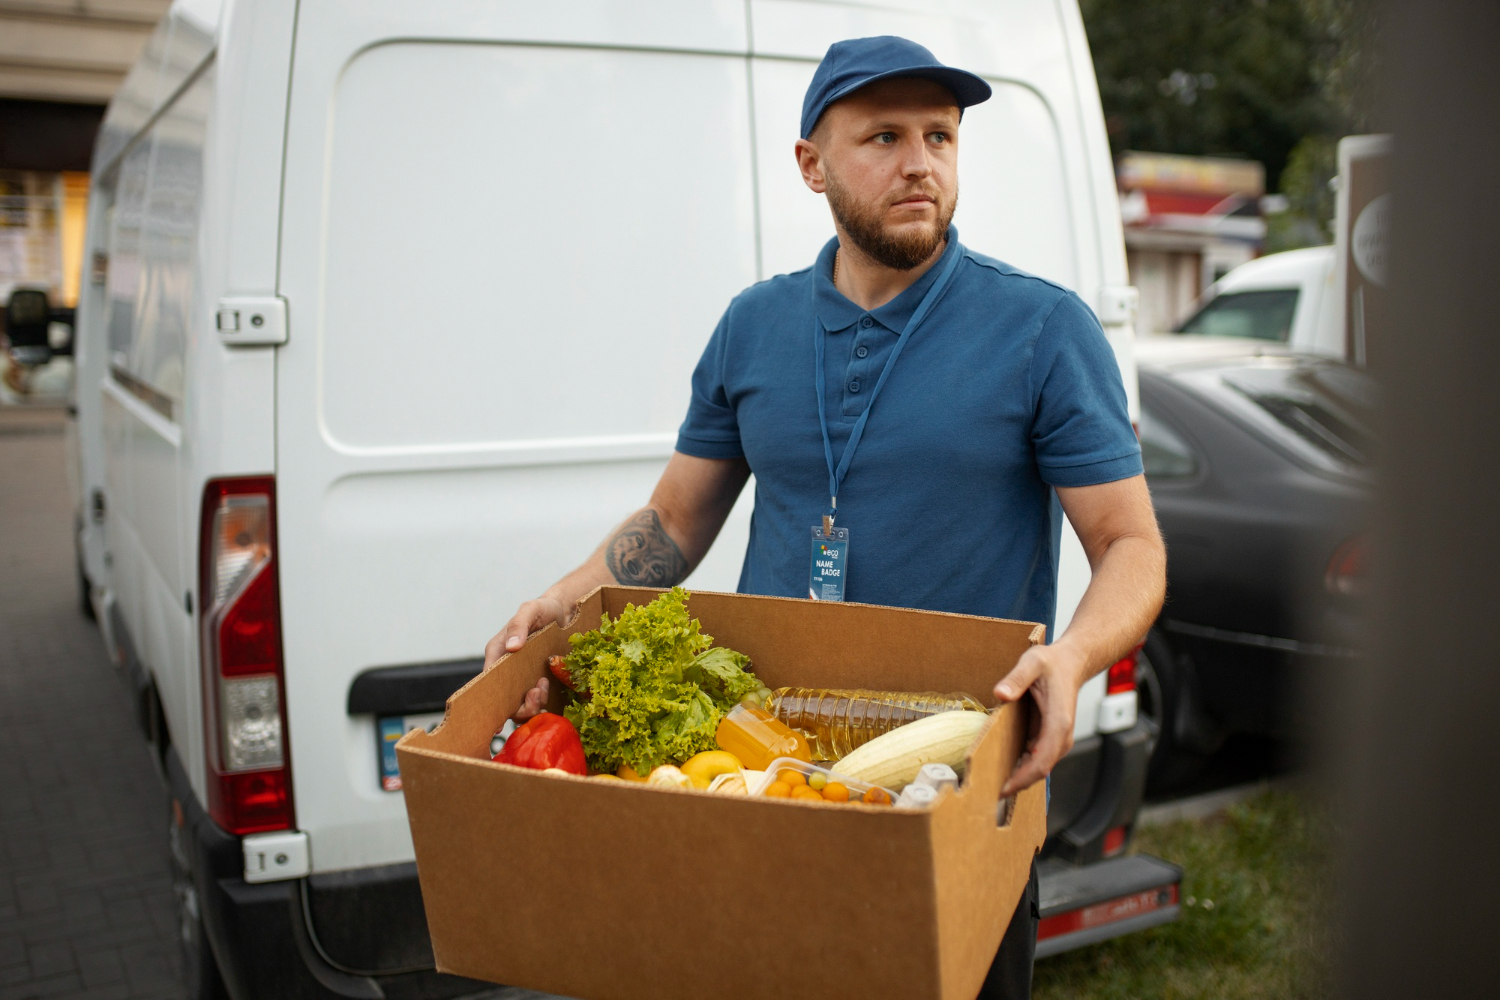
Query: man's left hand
{"points": [[1053, 675]]}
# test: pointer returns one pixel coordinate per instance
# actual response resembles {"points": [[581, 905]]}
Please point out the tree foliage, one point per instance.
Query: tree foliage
{"points": [[1278, 81], [1247, 78], [1208, 77]]}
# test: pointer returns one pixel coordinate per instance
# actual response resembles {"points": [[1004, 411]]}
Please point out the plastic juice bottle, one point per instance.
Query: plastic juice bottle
{"points": [[754, 736], [837, 721]]}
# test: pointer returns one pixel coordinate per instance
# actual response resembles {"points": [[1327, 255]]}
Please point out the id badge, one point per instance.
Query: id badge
{"points": [[830, 564]]}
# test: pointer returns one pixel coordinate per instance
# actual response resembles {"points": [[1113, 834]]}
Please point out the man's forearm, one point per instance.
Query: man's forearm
{"points": [[1123, 598], [660, 544], [657, 546], [638, 553]]}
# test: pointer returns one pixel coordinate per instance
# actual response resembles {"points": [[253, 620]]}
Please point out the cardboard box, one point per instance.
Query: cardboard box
{"points": [[610, 891]]}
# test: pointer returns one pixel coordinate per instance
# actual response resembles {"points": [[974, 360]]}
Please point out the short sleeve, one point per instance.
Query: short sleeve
{"points": [[1081, 426], [711, 429]]}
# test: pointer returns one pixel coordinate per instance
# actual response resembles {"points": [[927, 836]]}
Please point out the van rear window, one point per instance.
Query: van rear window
{"points": [[1260, 315]]}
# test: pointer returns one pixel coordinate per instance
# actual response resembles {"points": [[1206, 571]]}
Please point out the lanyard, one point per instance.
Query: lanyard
{"points": [[836, 474]]}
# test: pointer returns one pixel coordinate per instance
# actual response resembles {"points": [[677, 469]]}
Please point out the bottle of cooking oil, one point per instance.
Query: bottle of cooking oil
{"points": [[836, 721]]}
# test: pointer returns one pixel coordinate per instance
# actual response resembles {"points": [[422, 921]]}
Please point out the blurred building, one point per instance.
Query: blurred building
{"points": [[60, 63], [1188, 220]]}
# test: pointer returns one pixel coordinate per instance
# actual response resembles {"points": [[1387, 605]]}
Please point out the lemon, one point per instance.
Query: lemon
{"points": [[704, 767]]}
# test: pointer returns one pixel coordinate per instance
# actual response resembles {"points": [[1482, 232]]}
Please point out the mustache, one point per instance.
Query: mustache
{"points": [[926, 191]]}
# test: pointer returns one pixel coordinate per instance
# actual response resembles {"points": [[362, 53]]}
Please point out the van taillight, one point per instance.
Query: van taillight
{"points": [[1121, 676], [244, 705]]}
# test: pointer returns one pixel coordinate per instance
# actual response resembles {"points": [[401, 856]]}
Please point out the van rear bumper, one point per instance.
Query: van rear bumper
{"points": [[261, 935], [1096, 788]]}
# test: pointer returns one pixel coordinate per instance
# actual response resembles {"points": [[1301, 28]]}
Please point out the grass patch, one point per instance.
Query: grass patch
{"points": [[1254, 922]]}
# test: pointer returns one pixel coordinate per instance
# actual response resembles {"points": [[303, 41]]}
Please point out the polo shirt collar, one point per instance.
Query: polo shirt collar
{"points": [[837, 312]]}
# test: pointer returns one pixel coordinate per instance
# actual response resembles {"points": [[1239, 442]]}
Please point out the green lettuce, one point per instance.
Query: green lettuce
{"points": [[652, 688]]}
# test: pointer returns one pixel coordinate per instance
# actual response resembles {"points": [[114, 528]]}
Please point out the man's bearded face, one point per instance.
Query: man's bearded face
{"points": [[901, 246]]}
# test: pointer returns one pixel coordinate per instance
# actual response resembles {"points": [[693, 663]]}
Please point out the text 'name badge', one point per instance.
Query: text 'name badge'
{"points": [[830, 564]]}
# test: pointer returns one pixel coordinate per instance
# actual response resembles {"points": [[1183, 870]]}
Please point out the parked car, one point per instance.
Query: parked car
{"points": [[1286, 298], [1317, 300], [374, 336], [36, 344], [1258, 460]]}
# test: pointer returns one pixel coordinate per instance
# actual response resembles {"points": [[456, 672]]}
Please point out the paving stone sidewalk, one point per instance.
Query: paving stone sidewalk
{"points": [[85, 896], [86, 907]]}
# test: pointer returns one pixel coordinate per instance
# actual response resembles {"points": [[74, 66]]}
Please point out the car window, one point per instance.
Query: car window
{"points": [[1261, 315], [1326, 404], [152, 215], [1164, 453]]}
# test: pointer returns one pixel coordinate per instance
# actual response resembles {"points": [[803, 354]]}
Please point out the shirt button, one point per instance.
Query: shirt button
{"points": [[860, 352], [867, 322], [854, 386]]}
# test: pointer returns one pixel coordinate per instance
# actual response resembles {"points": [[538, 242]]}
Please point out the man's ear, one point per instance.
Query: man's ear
{"points": [[810, 162]]}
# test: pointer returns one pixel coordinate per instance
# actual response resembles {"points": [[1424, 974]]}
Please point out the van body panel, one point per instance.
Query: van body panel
{"points": [[179, 202], [255, 70], [89, 366], [505, 301], [149, 245]]}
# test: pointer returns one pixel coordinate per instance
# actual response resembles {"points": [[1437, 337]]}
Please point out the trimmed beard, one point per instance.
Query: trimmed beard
{"points": [[865, 227]]}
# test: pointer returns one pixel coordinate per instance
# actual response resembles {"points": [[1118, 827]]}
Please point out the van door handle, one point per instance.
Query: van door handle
{"points": [[251, 321]]}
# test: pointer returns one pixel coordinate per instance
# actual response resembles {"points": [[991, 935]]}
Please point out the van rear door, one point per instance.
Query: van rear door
{"points": [[508, 231]]}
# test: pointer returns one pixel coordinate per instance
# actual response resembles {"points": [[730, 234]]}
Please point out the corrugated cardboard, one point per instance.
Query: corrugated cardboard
{"points": [[612, 891]]}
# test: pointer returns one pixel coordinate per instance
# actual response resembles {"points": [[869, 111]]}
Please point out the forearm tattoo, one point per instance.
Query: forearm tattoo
{"points": [[642, 554]]}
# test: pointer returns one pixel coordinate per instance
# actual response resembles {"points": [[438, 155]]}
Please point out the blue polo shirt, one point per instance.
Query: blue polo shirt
{"points": [[1007, 389]]}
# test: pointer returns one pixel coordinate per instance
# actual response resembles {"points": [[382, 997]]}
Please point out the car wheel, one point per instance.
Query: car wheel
{"points": [[1153, 674], [200, 970], [1158, 691]]}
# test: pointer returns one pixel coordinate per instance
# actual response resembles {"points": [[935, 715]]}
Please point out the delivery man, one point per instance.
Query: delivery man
{"points": [[924, 411]]}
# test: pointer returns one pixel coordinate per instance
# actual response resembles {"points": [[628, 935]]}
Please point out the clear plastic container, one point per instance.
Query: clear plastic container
{"points": [[820, 780], [754, 736], [838, 721]]}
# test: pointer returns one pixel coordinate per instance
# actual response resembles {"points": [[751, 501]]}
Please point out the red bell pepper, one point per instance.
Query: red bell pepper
{"points": [[548, 740]]}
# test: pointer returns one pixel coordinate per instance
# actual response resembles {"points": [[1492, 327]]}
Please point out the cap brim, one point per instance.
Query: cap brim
{"points": [[967, 88]]}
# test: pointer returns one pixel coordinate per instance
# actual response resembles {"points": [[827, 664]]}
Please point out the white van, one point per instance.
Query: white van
{"points": [[388, 313], [1288, 298]]}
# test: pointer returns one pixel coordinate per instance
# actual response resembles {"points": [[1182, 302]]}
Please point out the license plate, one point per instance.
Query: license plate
{"points": [[389, 729]]}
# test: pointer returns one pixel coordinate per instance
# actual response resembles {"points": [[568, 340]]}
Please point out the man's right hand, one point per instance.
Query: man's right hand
{"points": [[529, 617]]}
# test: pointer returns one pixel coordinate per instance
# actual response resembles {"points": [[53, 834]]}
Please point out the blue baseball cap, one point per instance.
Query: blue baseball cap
{"points": [[856, 62]]}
